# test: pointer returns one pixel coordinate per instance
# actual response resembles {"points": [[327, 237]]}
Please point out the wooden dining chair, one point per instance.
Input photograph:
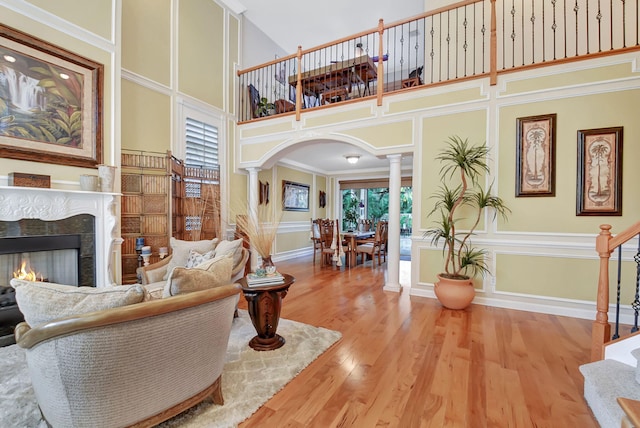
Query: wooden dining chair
{"points": [[372, 246], [315, 237], [326, 238]]}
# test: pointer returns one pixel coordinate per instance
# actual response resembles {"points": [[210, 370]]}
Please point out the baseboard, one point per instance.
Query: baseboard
{"points": [[574, 309]]}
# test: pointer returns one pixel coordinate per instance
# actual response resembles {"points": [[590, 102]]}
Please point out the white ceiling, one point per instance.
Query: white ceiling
{"points": [[310, 24]]}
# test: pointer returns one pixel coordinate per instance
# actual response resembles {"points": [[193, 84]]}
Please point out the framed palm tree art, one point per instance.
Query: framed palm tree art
{"points": [[599, 190], [536, 156]]}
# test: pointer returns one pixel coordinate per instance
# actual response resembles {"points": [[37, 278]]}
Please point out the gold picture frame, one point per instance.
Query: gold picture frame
{"points": [[54, 114]]}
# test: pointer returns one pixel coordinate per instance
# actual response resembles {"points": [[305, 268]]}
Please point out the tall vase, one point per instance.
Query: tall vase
{"points": [[107, 176], [267, 264]]}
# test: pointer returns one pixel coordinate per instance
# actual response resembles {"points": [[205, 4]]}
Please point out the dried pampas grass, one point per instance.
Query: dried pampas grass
{"points": [[261, 228]]}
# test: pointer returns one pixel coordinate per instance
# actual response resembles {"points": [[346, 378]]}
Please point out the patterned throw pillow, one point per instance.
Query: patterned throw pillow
{"points": [[210, 274], [195, 258], [180, 251], [41, 302]]}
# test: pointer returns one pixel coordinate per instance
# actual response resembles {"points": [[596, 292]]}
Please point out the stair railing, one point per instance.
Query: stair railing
{"points": [[606, 243]]}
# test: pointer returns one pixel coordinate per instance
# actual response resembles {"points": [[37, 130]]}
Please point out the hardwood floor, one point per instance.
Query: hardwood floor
{"points": [[406, 361]]}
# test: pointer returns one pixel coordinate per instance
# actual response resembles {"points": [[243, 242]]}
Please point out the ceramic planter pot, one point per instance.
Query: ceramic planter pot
{"points": [[454, 293]]}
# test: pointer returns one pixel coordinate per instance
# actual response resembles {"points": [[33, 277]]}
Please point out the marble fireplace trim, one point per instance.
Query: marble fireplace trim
{"points": [[17, 203]]}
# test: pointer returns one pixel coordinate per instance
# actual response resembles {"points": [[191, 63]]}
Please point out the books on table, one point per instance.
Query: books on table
{"points": [[254, 280]]}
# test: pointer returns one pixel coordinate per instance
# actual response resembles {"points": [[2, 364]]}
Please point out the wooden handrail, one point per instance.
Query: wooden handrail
{"points": [[605, 244]]}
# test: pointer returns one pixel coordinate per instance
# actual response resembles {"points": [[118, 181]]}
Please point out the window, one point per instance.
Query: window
{"points": [[201, 145]]}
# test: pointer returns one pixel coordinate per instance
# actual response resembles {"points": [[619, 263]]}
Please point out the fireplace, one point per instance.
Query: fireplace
{"points": [[58, 251], [35, 212]]}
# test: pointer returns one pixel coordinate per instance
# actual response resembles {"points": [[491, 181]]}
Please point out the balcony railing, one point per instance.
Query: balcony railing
{"points": [[470, 39]]}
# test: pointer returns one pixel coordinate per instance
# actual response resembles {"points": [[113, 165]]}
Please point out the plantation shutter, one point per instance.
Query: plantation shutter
{"points": [[201, 145]]}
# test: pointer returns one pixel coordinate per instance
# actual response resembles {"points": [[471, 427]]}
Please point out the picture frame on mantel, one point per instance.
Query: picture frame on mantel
{"points": [[536, 156], [55, 114], [599, 189]]}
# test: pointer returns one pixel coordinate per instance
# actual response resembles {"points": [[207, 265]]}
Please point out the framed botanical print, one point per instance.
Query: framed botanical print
{"points": [[536, 156], [599, 189]]}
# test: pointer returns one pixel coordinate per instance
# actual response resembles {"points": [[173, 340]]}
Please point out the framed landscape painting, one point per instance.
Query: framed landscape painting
{"points": [[295, 196], [536, 156], [50, 102], [599, 190]]}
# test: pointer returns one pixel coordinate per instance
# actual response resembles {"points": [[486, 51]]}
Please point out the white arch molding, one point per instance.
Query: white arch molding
{"points": [[271, 157]]}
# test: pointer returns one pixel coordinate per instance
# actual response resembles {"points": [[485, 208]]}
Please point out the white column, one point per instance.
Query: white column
{"points": [[393, 242], [252, 209]]}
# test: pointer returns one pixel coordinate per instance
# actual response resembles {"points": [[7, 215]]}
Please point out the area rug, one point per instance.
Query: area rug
{"points": [[249, 377]]}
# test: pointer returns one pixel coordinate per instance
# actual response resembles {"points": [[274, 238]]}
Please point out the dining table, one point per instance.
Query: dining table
{"points": [[338, 76], [352, 237]]}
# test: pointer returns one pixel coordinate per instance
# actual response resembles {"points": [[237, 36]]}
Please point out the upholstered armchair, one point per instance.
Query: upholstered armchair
{"points": [[155, 275], [137, 364]]}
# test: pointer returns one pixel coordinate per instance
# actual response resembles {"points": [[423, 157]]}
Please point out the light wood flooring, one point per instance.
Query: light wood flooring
{"points": [[406, 361]]}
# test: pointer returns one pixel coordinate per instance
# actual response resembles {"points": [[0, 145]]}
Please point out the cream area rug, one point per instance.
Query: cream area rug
{"points": [[249, 378]]}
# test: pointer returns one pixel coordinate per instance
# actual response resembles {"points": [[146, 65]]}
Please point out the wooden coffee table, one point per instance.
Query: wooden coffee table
{"points": [[264, 305]]}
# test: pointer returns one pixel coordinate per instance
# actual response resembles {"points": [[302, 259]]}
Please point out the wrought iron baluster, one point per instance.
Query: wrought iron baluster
{"points": [[636, 301], [587, 25], [554, 27], [544, 57], [624, 24], [448, 45], [564, 14], [599, 19], [576, 8], [533, 33], [616, 329], [432, 53], [522, 29], [440, 50], [465, 45], [513, 34], [484, 31]]}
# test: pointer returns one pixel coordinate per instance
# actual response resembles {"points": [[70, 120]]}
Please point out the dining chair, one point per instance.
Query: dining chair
{"points": [[315, 237], [326, 238], [372, 246]]}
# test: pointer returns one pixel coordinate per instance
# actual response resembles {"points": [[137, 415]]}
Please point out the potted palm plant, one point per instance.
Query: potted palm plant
{"points": [[462, 261]]}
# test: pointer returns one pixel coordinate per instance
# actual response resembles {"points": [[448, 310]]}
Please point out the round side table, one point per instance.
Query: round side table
{"points": [[264, 305]]}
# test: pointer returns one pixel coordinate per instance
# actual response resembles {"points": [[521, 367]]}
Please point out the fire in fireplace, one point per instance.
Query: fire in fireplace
{"points": [[54, 258]]}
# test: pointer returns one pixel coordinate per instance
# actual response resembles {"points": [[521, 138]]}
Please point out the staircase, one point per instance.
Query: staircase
{"points": [[615, 368], [608, 379]]}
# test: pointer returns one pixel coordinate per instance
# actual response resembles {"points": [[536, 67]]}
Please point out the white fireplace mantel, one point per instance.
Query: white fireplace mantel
{"points": [[18, 203]]}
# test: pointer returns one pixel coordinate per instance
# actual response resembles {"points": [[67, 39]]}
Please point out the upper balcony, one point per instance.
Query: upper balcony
{"points": [[468, 40]]}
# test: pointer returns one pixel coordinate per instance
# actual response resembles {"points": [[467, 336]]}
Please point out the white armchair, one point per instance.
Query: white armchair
{"points": [[137, 364]]}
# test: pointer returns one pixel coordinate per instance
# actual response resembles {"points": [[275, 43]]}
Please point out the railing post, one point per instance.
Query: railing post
{"points": [[601, 330], [299, 85], [493, 47], [380, 62]]}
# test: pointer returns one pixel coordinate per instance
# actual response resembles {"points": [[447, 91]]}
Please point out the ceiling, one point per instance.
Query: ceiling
{"points": [[310, 24]]}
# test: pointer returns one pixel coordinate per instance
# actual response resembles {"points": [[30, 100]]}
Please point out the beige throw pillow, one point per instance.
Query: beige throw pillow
{"points": [[180, 251], [230, 247], [210, 274], [41, 302]]}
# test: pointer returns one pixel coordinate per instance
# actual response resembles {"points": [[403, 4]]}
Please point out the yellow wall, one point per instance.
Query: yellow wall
{"points": [[200, 50], [141, 107], [94, 15], [146, 28], [558, 214]]}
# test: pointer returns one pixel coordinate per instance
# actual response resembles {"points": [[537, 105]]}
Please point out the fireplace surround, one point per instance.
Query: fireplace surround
{"points": [[20, 203]]}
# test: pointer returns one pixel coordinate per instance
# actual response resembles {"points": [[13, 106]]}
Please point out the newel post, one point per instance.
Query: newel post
{"points": [[380, 62], [299, 85], [601, 330], [493, 47]]}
